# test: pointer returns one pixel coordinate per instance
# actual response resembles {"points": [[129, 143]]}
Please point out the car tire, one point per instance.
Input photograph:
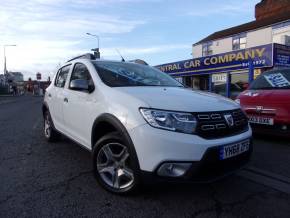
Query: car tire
{"points": [[114, 165], [50, 133]]}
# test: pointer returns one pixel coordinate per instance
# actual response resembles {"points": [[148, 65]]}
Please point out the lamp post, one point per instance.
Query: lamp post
{"points": [[96, 50], [5, 68]]}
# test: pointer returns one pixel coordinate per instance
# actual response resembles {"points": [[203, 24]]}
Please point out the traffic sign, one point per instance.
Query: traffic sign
{"points": [[38, 76]]}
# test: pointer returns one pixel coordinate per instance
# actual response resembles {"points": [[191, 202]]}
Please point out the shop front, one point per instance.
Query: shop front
{"points": [[226, 74]]}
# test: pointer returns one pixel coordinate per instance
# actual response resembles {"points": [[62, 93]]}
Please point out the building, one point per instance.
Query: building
{"points": [[226, 61], [36, 87], [15, 77]]}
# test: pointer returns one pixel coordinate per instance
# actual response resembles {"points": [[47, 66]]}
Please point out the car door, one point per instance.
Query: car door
{"points": [[78, 109], [57, 98]]}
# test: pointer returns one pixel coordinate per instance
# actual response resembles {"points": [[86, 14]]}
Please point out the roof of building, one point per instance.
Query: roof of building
{"points": [[245, 27], [16, 73]]}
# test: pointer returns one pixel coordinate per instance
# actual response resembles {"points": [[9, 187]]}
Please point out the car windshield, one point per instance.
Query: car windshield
{"points": [[117, 74], [276, 79]]}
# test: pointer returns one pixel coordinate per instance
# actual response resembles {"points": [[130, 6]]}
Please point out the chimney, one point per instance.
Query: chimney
{"points": [[271, 8]]}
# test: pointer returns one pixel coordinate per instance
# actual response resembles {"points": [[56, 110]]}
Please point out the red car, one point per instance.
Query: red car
{"points": [[267, 102]]}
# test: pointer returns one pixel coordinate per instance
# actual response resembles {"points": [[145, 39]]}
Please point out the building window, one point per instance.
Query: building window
{"points": [[207, 49], [239, 42]]}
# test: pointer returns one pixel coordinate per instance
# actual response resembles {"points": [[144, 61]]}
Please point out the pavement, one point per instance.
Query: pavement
{"points": [[40, 179]]}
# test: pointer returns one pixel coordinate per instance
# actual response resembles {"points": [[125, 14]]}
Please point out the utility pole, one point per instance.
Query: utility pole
{"points": [[5, 67]]}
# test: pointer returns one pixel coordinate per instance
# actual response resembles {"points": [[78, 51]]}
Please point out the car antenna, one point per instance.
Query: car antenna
{"points": [[123, 60]]}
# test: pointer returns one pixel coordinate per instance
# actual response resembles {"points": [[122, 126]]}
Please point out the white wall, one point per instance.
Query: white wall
{"points": [[259, 37], [197, 51], [219, 46], [278, 34], [222, 45], [254, 38]]}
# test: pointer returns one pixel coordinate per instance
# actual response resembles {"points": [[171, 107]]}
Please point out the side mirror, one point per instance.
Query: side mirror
{"points": [[79, 85]]}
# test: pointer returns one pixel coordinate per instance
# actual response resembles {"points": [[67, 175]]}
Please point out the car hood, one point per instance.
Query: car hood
{"points": [[179, 99]]}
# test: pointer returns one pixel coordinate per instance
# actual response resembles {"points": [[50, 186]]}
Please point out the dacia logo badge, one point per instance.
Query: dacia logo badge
{"points": [[229, 119]]}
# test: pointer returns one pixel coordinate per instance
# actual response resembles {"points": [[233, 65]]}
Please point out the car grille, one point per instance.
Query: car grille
{"points": [[213, 125]]}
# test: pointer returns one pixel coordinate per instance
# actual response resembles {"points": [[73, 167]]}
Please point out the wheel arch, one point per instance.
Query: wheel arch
{"points": [[44, 108], [107, 123]]}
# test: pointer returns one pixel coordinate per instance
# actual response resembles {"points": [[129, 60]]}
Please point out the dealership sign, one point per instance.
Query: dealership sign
{"points": [[219, 78], [260, 56], [281, 55]]}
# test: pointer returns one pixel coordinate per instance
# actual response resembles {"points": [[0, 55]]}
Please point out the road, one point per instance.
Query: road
{"points": [[39, 179]]}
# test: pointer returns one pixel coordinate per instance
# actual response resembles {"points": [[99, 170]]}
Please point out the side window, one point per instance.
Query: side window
{"points": [[61, 77], [80, 71]]}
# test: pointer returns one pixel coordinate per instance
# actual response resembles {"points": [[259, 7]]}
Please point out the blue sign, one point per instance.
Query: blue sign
{"points": [[281, 55], [260, 56]]}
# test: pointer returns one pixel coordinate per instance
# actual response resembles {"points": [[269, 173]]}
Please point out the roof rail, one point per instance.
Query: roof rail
{"points": [[84, 56]]}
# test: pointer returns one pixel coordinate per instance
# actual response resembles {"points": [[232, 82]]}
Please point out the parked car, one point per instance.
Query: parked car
{"points": [[267, 102], [141, 125]]}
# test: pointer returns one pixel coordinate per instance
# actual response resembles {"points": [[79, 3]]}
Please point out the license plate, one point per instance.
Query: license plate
{"points": [[232, 150], [261, 120]]}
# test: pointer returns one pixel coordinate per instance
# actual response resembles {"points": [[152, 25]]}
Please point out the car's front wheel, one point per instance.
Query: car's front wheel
{"points": [[114, 166]]}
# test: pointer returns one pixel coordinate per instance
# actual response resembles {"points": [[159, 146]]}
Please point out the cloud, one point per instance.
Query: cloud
{"points": [[140, 51], [222, 8], [51, 31]]}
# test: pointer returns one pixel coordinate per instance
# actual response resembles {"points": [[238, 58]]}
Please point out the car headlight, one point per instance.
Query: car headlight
{"points": [[173, 121]]}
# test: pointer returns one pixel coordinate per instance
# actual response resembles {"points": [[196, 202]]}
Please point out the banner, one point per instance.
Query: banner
{"points": [[261, 56]]}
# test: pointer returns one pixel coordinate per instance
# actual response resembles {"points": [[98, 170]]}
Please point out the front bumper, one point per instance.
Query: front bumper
{"points": [[208, 169], [155, 146]]}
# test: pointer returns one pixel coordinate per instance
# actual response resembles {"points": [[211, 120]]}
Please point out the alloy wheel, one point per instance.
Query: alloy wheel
{"points": [[47, 126], [113, 166]]}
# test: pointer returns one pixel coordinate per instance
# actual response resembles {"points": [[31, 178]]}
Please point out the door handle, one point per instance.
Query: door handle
{"points": [[65, 100]]}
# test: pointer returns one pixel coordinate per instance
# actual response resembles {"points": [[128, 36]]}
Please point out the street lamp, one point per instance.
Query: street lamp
{"points": [[96, 36], [96, 50], [5, 68]]}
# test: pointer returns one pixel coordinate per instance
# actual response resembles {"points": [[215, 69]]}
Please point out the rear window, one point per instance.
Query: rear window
{"points": [[276, 79]]}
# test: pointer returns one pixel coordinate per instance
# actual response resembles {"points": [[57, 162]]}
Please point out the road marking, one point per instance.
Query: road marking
{"points": [[272, 180]]}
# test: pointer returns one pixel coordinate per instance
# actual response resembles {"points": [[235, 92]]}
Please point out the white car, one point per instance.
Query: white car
{"points": [[142, 125]]}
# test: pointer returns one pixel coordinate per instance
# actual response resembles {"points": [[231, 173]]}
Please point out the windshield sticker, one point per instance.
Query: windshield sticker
{"points": [[277, 80]]}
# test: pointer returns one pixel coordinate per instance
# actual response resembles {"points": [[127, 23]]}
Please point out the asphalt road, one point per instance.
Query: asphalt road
{"points": [[39, 179]]}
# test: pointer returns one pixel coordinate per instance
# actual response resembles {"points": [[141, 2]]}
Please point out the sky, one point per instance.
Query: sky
{"points": [[49, 32]]}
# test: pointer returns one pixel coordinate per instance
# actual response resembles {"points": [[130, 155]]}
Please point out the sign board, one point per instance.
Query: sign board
{"points": [[38, 76], [257, 72], [219, 78], [281, 55], [261, 56]]}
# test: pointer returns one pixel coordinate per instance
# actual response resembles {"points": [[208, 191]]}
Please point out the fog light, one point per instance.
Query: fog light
{"points": [[284, 127], [173, 169]]}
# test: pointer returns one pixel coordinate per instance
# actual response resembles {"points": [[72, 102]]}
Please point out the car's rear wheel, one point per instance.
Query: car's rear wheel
{"points": [[50, 133], [114, 166]]}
